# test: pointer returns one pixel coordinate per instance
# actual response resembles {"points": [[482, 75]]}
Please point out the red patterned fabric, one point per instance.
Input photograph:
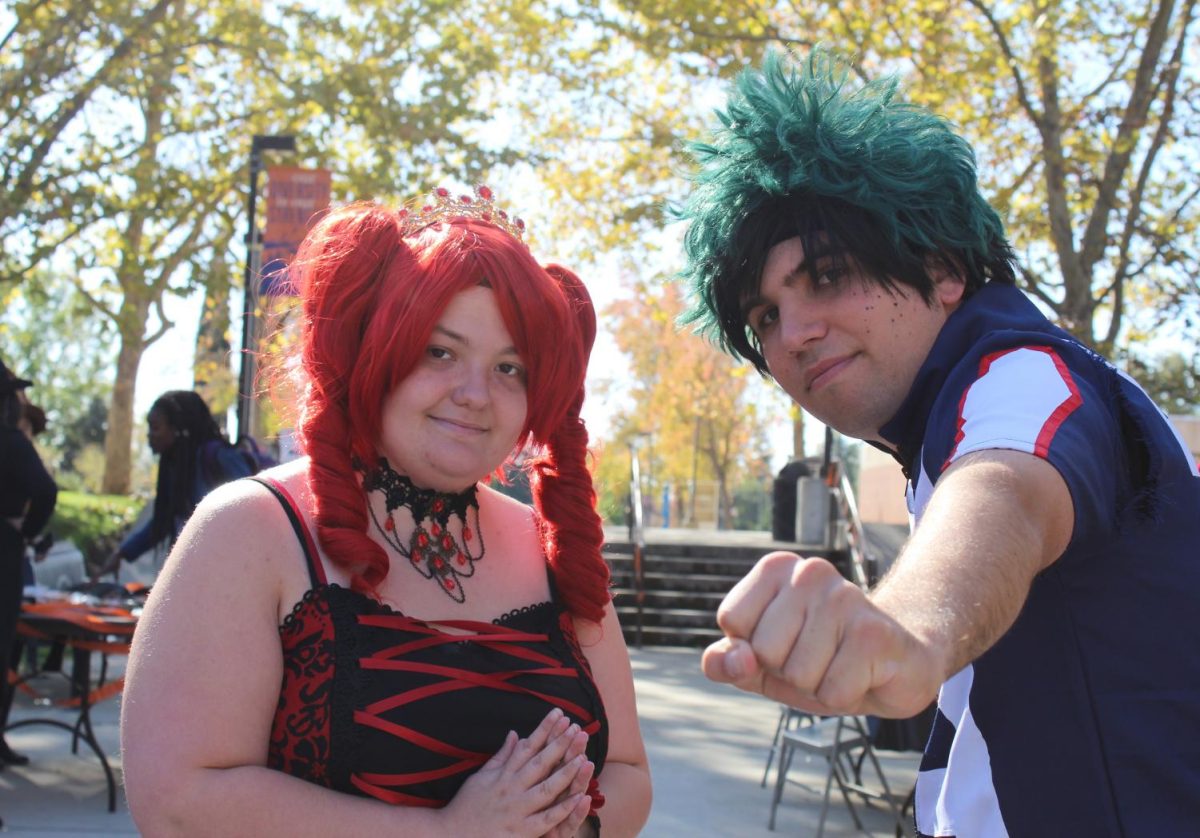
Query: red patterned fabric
{"points": [[300, 732], [404, 710]]}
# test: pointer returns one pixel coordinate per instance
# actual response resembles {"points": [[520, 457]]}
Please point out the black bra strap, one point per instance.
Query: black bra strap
{"points": [[297, 526]]}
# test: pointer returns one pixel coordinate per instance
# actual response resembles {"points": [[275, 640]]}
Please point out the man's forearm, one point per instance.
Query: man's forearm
{"points": [[996, 520]]}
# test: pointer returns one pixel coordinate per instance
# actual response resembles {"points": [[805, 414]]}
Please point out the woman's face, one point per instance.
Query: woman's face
{"points": [[457, 415], [161, 434]]}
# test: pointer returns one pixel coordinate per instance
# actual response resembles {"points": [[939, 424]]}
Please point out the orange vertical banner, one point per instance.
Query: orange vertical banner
{"points": [[295, 197]]}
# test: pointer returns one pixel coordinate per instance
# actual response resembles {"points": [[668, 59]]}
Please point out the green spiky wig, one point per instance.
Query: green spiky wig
{"points": [[861, 166]]}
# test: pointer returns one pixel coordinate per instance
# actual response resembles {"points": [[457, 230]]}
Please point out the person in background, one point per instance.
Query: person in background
{"points": [[27, 498], [1047, 597], [32, 424], [371, 640], [193, 459]]}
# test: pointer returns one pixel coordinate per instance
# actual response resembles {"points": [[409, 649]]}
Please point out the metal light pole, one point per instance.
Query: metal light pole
{"points": [[245, 405]]}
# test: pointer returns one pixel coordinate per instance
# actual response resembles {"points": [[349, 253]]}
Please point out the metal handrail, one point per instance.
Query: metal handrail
{"points": [[845, 507], [637, 536], [862, 563]]}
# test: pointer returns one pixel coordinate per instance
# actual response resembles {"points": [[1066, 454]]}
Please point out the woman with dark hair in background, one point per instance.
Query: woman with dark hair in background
{"points": [[194, 458], [27, 497], [372, 640]]}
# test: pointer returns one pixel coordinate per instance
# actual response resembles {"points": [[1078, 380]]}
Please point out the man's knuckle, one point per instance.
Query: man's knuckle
{"points": [[797, 676], [778, 562]]}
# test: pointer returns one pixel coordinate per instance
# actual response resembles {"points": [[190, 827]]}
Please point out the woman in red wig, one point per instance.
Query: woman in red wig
{"points": [[372, 640]]}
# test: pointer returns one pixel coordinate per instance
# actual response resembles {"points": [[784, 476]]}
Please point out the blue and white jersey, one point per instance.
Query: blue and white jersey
{"points": [[1084, 718]]}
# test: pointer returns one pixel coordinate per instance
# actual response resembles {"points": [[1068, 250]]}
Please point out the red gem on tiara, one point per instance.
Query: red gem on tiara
{"points": [[389, 525], [448, 208], [467, 536]]}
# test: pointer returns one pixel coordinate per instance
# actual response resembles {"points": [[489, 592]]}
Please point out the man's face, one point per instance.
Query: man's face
{"points": [[846, 349]]}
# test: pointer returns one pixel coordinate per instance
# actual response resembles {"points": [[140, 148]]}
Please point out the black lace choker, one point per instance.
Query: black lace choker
{"points": [[432, 549]]}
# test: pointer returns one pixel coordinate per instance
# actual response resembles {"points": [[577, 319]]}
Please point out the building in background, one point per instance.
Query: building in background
{"points": [[880, 488], [1189, 431]]}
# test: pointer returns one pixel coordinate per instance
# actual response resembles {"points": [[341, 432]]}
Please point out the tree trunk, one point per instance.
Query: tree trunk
{"points": [[797, 433], [726, 502], [119, 435]]}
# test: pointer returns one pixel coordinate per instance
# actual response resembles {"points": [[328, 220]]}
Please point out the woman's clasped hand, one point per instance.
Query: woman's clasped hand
{"points": [[532, 786]]}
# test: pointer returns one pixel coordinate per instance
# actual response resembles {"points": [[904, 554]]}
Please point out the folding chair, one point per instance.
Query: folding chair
{"points": [[789, 718], [835, 740]]}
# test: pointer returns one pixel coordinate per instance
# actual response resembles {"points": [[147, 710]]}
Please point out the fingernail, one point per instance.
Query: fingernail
{"points": [[735, 663]]}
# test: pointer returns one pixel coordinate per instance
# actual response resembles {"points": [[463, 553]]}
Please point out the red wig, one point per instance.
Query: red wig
{"points": [[370, 299]]}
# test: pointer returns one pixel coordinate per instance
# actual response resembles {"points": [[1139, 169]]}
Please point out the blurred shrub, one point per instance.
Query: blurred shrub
{"points": [[94, 523]]}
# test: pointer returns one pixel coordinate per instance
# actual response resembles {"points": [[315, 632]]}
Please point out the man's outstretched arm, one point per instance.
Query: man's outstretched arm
{"points": [[797, 632]]}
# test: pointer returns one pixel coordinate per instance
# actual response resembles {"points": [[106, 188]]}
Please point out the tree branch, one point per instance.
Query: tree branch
{"points": [[1010, 58], [1168, 81], [67, 112], [1095, 235], [1033, 285]]}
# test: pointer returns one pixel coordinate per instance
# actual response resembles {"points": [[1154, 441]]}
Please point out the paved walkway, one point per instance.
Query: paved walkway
{"points": [[707, 746]]}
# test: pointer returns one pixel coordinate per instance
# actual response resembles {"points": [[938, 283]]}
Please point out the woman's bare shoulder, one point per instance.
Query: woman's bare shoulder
{"points": [[517, 520], [504, 504], [243, 519]]}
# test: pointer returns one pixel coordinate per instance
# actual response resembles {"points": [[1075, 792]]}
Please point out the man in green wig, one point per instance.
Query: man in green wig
{"points": [[1047, 598]]}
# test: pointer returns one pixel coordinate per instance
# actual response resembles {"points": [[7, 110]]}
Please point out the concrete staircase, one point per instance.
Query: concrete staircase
{"points": [[687, 573]]}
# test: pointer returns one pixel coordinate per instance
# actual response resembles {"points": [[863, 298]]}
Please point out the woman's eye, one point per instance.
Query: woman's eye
{"points": [[511, 370], [438, 352]]}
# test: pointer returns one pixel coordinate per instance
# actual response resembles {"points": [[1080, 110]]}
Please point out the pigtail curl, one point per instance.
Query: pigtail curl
{"points": [[339, 267], [563, 493]]}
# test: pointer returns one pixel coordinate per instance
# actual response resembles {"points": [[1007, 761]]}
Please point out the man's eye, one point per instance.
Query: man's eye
{"points": [[766, 319], [829, 276]]}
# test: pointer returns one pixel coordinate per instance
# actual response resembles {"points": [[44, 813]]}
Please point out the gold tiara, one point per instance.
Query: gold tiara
{"points": [[446, 207]]}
